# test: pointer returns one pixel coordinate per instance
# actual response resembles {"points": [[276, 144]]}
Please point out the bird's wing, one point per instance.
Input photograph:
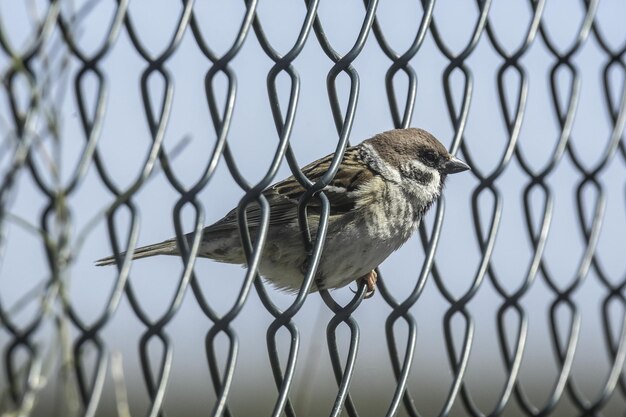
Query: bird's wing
{"points": [[283, 197]]}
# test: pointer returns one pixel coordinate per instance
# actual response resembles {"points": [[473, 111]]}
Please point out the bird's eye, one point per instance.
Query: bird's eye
{"points": [[430, 157]]}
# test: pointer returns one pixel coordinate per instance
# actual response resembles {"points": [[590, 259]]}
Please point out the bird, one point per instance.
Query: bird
{"points": [[378, 196]]}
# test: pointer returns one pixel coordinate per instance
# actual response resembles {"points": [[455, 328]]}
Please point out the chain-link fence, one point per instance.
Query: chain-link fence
{"points": [[509, 301]]}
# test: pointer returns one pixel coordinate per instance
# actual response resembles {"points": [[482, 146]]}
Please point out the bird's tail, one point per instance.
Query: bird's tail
{"points": [[167, 247]]}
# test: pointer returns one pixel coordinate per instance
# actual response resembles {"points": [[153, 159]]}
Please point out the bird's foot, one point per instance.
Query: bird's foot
{"points": [[370, 281]]}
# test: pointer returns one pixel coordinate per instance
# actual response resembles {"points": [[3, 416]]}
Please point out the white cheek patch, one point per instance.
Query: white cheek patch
{"points": [[433, 189], [416, 165], [372, 158], [427, 190]]}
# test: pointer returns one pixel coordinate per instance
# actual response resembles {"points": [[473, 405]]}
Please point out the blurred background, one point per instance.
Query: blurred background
{"points": [[531, 256]]}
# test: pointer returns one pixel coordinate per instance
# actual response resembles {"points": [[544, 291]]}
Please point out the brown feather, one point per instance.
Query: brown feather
{"points": [[284, 196]]}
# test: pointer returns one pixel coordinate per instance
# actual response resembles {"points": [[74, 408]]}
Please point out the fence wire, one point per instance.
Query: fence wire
{"points": [[36, 72]]}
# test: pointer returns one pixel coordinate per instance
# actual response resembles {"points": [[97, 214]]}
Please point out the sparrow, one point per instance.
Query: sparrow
{"points": [[381, 191]]}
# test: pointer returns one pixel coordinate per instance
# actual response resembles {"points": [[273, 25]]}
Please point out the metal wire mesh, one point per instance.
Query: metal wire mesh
{"points": [[53, 55]]}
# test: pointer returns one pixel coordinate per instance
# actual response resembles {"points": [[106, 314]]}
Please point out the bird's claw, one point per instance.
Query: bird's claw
{"points": [[370, 282], [368, 294]]}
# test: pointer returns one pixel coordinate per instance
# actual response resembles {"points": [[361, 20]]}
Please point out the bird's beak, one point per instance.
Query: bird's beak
{"points": [[454, 165]]}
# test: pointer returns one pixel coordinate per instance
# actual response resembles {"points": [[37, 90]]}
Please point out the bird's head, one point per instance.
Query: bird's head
{"points": [[416, 160]]}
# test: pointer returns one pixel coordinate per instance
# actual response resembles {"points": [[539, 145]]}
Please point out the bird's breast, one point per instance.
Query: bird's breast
{"points": [[391, 215]]}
